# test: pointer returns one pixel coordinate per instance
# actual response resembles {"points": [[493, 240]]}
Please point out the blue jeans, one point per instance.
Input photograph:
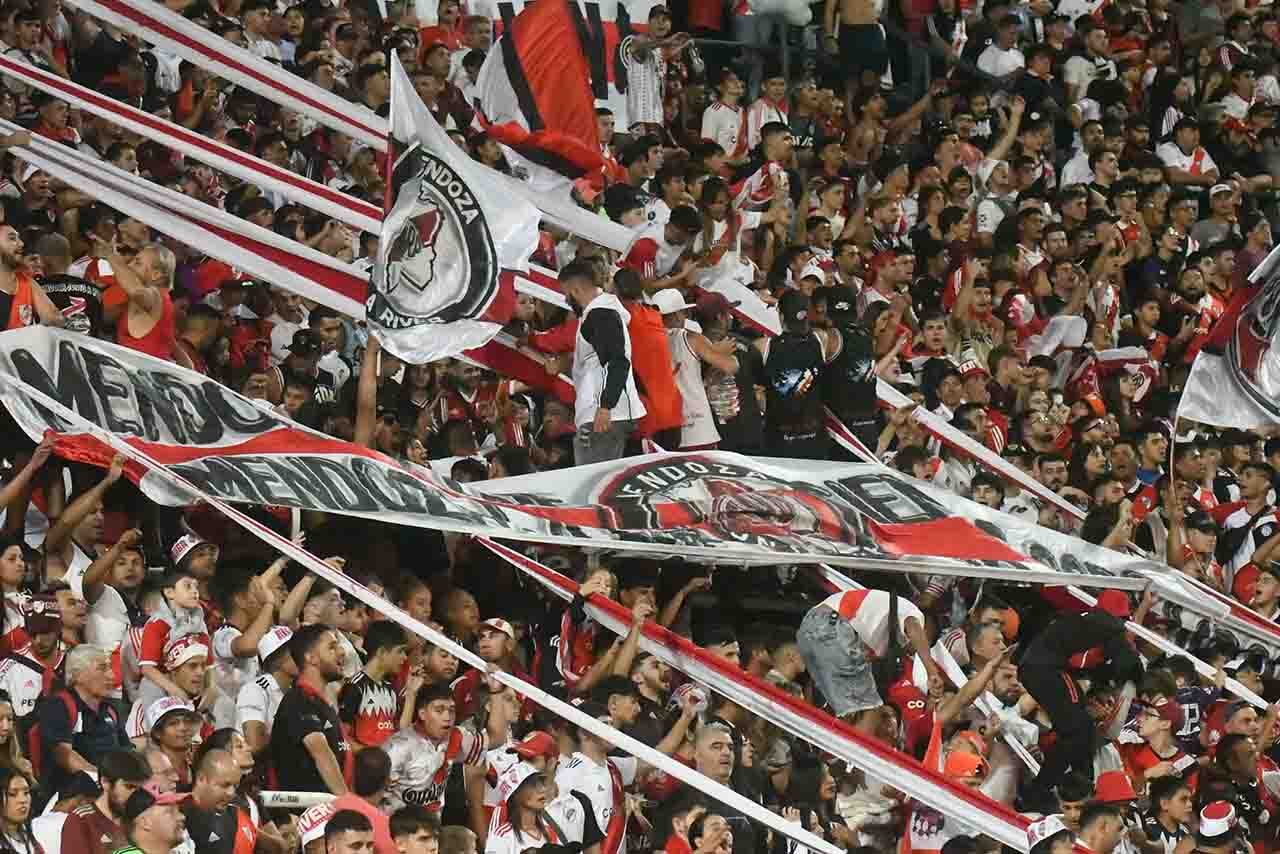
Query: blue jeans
{"points": [[837, 660]]}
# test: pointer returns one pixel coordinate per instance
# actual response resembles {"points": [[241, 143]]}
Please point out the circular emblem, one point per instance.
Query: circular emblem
{"points": [[437, 261]]}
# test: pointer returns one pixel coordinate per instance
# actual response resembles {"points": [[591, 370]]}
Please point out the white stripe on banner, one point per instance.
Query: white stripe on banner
{"points": [[348, 209], [955, 439], [571, 713], [791, 714], [159, 26], [167, 214]]}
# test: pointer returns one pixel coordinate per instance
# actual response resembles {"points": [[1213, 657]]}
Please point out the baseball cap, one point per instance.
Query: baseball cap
{"points": [[813, 270], [304, 343], [1199, 520], [1217, 820], [41, 615], [499, 625], [149, 796], [273, 641], [669, 301], [513, 778], [1114, 787], [973, 368], [185, 545], [1221, 188], [1235, 436], [162, 708], [659, 10], [636, 572], [536, 743], [184, 649], [29, 171], [1113, 602], [1168, 710], [793, 308], [711, 305], [1046, 828], [961, 764]]}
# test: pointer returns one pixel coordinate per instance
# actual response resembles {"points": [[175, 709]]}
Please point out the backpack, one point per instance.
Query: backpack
{"points": [[35, 750]]}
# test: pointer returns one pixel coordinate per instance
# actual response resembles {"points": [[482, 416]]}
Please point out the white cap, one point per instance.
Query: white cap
{"points": [[1221, 188], [184, 649], [185, 545], [813, 268], [1216, 819], [1039, 831], [271, 642], [165, 705], [669, 301], [513, 778], [29, 171], [499, 625]]}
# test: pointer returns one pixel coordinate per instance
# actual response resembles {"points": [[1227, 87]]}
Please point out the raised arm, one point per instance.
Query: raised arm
{"points": [[367, 394], [84, 504]]}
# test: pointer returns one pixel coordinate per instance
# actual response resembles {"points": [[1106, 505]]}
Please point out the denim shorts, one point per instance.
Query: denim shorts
{"points": [[837, 660]]}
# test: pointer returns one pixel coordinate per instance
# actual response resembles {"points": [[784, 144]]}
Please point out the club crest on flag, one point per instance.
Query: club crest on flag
{"points": [[452, 239], [440, 263]]}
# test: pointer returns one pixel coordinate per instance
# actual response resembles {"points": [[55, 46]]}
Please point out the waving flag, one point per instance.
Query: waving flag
{"points": [[535, 95], [451, 241], [1235, 379]]}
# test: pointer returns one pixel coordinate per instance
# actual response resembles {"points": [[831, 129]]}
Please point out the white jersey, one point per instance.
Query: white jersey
{"points": [[1198, 162], [727, 127], [258, 701], [23, 683], [230, 671], [581, 774], [868, 613], [504, 840], [645, 80], [699, 428], [420, 766]]}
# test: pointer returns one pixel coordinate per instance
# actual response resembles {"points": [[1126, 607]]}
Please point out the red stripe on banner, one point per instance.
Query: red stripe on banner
{"points": [[952, 537], [695, 655], [500, 356], [344, 284], [57, 85], [148, 22]]}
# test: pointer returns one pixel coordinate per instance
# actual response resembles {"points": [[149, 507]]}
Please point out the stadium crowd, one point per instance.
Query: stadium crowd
{"points": [[1030, 236]]}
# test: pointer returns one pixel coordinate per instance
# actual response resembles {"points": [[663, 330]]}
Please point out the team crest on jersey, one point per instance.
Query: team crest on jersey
{"points": [[440, 265]]}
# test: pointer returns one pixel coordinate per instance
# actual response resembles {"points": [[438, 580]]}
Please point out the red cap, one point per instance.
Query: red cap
{"points": [[1114, 787], [1114, 602], [536, 743], [961, 764], [1168, 710]]}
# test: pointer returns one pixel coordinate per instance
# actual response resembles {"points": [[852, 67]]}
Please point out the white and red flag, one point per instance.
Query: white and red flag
{"points": [[451, 241]]}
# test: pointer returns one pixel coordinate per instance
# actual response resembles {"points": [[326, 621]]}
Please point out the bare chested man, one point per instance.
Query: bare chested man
{"points": [[859, 42]]}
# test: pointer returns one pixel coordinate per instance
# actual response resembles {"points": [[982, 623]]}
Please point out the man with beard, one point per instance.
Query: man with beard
{"points": [[793, 362], [95, 828], [22, 301], [307, 744], [212, 822]]}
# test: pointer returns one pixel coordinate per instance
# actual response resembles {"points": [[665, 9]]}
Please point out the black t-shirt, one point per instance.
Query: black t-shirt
{"points": [[793, 407], [849, 382], [303, 712], [79, 300], [733, 401], [212, 832]]}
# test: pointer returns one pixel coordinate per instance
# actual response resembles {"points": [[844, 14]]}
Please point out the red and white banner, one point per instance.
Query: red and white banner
{"points": [[716, 507], [450, 244], [341, 206]]}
